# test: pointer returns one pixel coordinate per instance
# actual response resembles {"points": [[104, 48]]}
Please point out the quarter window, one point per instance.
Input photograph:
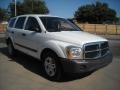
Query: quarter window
{"points": [[12, 21], [20, 22]]}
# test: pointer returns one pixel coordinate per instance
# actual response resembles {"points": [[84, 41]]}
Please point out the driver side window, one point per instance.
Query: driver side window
{"points": [[32, 25]]}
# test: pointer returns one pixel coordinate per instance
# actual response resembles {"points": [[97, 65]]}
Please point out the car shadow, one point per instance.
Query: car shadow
{"points": [[35, 66]]}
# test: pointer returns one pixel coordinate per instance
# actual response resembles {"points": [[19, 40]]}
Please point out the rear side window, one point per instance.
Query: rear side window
{"points": [[11, 22], [20, 22]]}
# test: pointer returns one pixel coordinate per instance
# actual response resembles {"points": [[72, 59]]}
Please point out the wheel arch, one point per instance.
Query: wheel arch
{"points": [[9, 39], [46, 50]]}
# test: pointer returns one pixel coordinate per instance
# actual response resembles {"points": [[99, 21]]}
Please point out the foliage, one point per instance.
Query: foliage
{"points": [[28, 7], [3, 15], [95, 13]]}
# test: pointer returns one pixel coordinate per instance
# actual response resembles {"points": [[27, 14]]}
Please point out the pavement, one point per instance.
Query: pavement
{"points": [[111, 37], [2, 35], [25, 73]]}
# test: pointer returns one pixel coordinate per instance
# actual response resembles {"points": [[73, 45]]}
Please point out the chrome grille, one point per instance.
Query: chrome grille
{"points": [[95, 50]]}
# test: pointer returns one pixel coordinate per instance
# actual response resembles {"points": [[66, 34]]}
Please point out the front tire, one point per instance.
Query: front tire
{"points": [[52, 67]]}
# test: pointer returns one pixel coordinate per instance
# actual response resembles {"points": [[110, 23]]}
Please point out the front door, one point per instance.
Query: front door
{"points": [[31, 35]]}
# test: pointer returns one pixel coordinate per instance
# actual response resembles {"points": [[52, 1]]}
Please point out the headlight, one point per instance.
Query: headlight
{"points": [[73, 52]]}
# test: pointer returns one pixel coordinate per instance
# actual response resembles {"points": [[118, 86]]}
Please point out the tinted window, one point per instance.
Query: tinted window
{"points": [[20, 22], [12, 21], [54, 24], [32, 24]]}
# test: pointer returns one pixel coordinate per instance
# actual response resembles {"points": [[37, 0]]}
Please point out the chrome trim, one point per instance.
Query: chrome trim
{"points": [[99, 50]]}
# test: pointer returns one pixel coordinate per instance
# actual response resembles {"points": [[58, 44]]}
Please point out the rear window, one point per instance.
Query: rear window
{"points": [[20, 22], [11, 22]]}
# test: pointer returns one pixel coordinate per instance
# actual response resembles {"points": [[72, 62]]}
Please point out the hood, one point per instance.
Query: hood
{"points": [[76, 37]]}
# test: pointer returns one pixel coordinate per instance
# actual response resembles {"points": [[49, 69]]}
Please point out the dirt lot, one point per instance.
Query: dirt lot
{"points": [[25, 73]]}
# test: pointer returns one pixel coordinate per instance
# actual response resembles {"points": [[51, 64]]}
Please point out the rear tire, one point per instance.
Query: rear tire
{"points": [[51, 66], [11, 49]]}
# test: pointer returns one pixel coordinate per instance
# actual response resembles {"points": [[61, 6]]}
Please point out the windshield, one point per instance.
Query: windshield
{"points": [[55, 24]]}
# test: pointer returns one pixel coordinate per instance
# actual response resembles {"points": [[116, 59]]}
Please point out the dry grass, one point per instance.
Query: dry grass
{"points": [[100, 28]]}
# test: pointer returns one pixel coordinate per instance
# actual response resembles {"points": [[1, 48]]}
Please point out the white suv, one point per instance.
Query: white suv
{"points": [[58, 43]]}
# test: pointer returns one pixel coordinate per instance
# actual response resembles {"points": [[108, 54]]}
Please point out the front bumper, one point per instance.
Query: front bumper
{"points": [[77, 66]]}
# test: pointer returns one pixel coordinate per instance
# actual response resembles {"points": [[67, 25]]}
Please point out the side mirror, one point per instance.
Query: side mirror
{"points": [[35, 29]]}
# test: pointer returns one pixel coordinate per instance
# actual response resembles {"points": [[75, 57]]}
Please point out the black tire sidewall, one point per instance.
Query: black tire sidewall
{"points": [[58, 73], [13, 50]]}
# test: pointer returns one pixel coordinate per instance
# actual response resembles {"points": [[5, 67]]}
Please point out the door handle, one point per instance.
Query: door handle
{"points": [[12, 32], [23, 34]]}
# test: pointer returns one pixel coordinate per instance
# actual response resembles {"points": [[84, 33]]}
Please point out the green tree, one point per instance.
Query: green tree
{"points": [[3, 15], [95, 13], [28, 7]]}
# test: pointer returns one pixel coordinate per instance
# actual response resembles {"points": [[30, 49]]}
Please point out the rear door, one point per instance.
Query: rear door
{"points": [[18, 33]]}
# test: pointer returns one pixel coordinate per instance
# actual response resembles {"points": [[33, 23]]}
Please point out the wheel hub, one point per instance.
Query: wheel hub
{"points": [[50, 66]]}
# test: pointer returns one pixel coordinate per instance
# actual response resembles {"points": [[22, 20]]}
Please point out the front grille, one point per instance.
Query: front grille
{"points": [[104, 51], [104, 45], [92, 47], [92, 54], [95, 50]]}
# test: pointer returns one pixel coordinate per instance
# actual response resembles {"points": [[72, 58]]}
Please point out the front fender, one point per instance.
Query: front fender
{"points": [[53, 45], [58, 47]]}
